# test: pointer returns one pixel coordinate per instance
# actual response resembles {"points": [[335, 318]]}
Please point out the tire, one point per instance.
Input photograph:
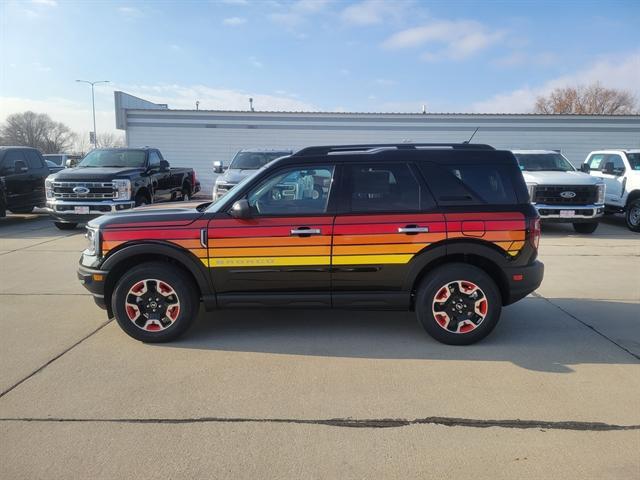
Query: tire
{"points": [[141, 199], [65, 225], [632, 215], [186, 193], [22, 209], [475, 301], [585, 227], [179, 291]]}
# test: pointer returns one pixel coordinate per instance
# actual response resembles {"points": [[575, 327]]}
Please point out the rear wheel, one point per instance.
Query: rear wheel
{"points": [[155, 302], [585, 227], [632, 215], [65, 225], [458, 304], [141, 199], [186, 193]]}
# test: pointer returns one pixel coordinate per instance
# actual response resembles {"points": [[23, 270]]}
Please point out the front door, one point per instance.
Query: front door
{"points": [[612, 179], [18, 184], [281, 254]]}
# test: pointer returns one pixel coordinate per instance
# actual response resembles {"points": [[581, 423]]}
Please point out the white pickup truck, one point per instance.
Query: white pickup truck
{"points": [[620, 171], [559, 192]]}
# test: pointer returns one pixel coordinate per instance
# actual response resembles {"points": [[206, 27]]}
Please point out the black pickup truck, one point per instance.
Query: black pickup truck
{"points": [[112, 180], [22, 175]]}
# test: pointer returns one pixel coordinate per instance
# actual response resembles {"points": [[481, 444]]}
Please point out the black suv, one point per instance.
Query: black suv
{"points": [[445, 230], [23, 170]]}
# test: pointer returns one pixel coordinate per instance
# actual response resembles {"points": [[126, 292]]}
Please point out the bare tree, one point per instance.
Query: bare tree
{"points": [[110, 140], [590, 100], [37, 130]]}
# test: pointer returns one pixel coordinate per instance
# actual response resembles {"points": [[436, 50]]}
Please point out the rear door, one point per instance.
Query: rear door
{"points": [[386, 218], [281, 255], [613, 183], [38, 171]]}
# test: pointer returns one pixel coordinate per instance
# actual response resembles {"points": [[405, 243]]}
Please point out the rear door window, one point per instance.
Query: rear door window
{"points": [[470, 184]]}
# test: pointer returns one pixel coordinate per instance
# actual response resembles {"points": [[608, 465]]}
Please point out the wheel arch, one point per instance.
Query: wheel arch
{"points": [[633, 195]]}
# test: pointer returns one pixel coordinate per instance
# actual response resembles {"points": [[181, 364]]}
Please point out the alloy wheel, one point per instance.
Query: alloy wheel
{"points": [[460, 306]]}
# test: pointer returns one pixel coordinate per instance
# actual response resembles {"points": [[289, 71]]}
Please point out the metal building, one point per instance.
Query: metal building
{"points": [[196, 138]]}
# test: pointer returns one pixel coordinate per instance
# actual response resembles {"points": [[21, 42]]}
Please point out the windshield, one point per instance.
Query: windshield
{"points": [[114, 158], [216, 204], [537, 162], [254, 160], [634, 160], [57, 159]]}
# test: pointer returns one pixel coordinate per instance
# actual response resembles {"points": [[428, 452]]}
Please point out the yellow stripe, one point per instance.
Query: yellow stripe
{"points": [[373, 259], [218, 262]]}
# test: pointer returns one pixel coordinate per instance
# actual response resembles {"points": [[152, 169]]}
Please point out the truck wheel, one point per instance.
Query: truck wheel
{"points": [[65, 225], [22, 209], [186, 193], [632, 215], [585, 227], [155, 302], [458, 304], [141, 199]]}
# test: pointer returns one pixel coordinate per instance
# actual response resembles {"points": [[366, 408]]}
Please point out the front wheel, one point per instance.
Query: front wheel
{"points": [[65, 225], [186, 194], [632, 215], [585, 227], [27, 209], [458, 304], [155, 302]]}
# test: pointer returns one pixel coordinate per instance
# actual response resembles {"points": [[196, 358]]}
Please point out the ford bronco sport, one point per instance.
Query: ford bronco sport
{"points": [[445, 230]]}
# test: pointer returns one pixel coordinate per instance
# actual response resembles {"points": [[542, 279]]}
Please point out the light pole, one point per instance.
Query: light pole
{"points": [[93, 107]]}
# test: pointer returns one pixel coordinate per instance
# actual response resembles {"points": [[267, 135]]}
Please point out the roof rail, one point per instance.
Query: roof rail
{"points": [[376, 147]]}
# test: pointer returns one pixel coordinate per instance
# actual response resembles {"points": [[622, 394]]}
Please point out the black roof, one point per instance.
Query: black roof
{"points": [[373, 147]]}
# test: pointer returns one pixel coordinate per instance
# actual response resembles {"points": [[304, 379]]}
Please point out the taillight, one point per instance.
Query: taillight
{"points": [[534, 232], [193, 178]]}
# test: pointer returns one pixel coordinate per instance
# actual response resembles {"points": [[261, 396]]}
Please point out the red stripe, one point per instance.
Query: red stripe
{"points": [[434, 227], [400, 218], [262, 231], [178, 233], [485, 216], [489, 226], [270, 222], [168, 223]]}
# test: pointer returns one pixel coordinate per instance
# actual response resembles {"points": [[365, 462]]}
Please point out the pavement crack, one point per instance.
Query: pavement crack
{"points": [[66, 350], [352, 423]]}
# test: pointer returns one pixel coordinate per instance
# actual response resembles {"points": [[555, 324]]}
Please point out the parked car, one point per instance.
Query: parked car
{"points": [[53, 168], [24, 171], [559, 192], [445, 230], [620, 170], [64, 160], [244, 163], [112, 180], [3, 198]]}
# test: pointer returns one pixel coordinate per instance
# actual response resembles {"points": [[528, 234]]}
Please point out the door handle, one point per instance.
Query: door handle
{"points": [[305, 231], [409, 229]]}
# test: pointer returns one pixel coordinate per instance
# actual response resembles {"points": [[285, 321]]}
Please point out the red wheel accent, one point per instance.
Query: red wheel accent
{"points": [[152, 305], [460, 306]]}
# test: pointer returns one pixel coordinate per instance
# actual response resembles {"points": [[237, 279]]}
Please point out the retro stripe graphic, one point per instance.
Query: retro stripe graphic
{"points": [[357, 240]]}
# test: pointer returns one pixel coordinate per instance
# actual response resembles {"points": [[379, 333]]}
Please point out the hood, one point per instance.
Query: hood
{"points": [[153, 216], [234, 175], [95, 174], [560, 178]]}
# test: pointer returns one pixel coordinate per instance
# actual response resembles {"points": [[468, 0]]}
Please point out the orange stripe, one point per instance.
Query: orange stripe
{"points": [[187, 243], [110, 245], [500, 235], [378, 249], [270, 241], [388, 238], [270, 251]]}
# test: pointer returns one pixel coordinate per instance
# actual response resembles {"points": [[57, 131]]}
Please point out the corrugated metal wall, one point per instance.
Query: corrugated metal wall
{"points": [[197, 138]]}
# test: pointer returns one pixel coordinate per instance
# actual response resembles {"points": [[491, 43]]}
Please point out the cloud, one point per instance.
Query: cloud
{"points": [[297, 13], [234, 21], [40, 67], [129, 12], [372, 12], [618, 71], [456, 40], [46, 3], [520, 58], [385, 82], [255, 62]]}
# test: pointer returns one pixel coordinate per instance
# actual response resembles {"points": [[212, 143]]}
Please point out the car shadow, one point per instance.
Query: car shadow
{"points": [[611, 226], [535, 334]]}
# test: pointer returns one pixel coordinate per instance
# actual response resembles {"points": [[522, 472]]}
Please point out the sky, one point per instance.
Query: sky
{"points": [[310, 55]]}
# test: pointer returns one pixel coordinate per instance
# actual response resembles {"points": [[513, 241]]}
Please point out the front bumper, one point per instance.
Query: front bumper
{"points": [[76, 211], [94, 281], [579, 213], [523, 280]]}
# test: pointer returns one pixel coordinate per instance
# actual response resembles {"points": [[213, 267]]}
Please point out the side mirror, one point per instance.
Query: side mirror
{"points": [[241, 209], [217, 166], [20, 166], [585, 168], [608, 168], [164, 166], [68, 163]]}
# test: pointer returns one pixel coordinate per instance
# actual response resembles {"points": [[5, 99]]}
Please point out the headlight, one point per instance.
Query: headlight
{"points": [[48, 188], [93, 241], [531, 188], [122, 189], [601, 187]]}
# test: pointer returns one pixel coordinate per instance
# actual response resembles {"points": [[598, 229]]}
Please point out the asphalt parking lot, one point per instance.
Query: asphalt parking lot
{"points": [[554, 392]]}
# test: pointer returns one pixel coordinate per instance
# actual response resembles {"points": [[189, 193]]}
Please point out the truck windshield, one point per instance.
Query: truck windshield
{"points": [[216, 204], [634, 160], [114, 158], [537, 162], [254, 160], [57, 159]]}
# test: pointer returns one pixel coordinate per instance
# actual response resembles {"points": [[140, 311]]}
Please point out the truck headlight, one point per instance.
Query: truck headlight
{"points": [[600, 190], [122, 189], [48, 188], [531, 188], [93, 241]]}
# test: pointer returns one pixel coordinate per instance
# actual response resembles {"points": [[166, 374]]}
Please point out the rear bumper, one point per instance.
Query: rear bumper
{"points": [[523, 280], [94, 280], [65, 211], [581, 213]]}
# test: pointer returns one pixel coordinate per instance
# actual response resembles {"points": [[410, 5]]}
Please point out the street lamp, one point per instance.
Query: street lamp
{"points": [[93, 105]]}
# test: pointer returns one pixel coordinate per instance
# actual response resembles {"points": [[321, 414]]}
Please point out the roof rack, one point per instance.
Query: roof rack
{"points": [[376, 147]]}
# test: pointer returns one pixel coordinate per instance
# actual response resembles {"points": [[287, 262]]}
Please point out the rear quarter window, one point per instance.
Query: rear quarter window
{"points": [[467, 184]]}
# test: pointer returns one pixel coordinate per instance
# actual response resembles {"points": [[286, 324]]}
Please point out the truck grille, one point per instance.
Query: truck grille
{"points": [[95, 190], [552, 194]]}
